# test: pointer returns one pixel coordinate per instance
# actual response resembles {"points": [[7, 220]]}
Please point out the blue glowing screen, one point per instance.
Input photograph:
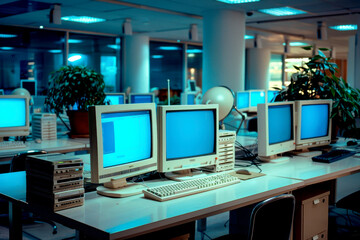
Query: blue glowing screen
{"points": [[115, 99], [271, 95], [190, 99], [314, 121], [12, 112], [141, 98], [280, 123], [126, 137], [242, 100], [190, 133], [257, 97]]}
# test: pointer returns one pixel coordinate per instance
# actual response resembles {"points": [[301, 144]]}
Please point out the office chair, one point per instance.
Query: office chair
{"points": [[18, 163], [350, 202], [270, 219]]}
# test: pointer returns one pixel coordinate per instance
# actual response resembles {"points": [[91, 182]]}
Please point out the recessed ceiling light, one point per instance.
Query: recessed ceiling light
{"points": [[237, 1], [6, 48], [169, 48], [297, 44], [157, 56], [348, 27], [190, 55], [55, 51], [194, 50], [74, 41], [82, 19], [74, 58], [248, 37], [5, 35], [283, 11]]}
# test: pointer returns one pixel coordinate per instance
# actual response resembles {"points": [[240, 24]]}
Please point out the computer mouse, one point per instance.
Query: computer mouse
{"points": [[243, 171], [351, 143]]}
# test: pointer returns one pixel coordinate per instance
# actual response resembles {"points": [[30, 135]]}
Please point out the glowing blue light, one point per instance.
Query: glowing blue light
{"points": [[297, 44], [348, 27], [74, 58], [113, 46], [6, 48], [5, 35], [169, 48], [248, 37], [237, 1], [55, 51], [83, 19], [194, 50], [75, 41], [157, 56], [283, 11]]}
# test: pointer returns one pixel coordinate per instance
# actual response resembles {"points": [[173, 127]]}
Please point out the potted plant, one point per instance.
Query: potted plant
{"points": [[73, 89], [317, 79]]}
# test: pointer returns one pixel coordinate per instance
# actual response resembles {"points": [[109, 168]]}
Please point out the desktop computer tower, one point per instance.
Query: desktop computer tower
{"points": [[226, 159]]}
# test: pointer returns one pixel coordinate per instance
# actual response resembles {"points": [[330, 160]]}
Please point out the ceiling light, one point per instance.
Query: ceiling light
{"points": [[5, 35], [248, 37], [169, 48], [283, 11], [157, 56], [237, 1], [55, 51], [348, 27], [6, 48], [194, 50], [74, 58], [297, 44], [82, 19], [191, 55], [74, 41], [113, 46]]}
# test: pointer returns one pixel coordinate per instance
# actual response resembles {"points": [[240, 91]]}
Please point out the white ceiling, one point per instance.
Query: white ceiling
{"points": [[171, 19]]}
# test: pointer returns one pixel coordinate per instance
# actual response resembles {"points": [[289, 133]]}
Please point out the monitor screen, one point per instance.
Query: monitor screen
{"points": [[30, 85], [141, 98], [276, 130], [313, 123], [242, 100], [123, 143], [271, 94], [115, 98], [188, 136], [256, 97], [14, 112]]}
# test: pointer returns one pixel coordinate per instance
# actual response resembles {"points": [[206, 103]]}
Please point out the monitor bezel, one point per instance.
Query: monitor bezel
{"points": [[264, 148], [29, 81], [311, 142], [143, 94], [254, 108], [99, 174], [117, 94], [21, 130], [189, 162]]}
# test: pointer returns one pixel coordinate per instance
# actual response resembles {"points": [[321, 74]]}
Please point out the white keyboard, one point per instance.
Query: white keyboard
{"points": [[189, 187], [5, 145]]}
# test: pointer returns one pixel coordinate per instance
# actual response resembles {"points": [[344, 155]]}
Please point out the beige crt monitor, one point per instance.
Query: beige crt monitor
{"points": [[123, 144], [14, 116], [188, 139]]}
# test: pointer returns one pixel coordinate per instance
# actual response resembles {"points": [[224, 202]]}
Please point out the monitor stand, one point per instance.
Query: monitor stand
{"points": [[306, 153], [183, 175], [120, 188], [274, 159]]}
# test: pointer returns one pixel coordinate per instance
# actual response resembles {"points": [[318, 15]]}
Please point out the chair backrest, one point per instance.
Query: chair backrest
{"points": [[272, 218], [18, 162]]}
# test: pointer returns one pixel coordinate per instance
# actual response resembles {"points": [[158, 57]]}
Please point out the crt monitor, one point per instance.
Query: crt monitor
{"points": [[256, 97], [271, 94], [276, 130], [14, 112], [115, 98], [313, 123], [141, 97], [30, 85], [123, 143], [188, 98], [243, 100], [188, 139]]}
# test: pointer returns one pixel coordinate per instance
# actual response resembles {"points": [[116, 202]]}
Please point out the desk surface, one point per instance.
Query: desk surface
{"points": [[57, 145]]}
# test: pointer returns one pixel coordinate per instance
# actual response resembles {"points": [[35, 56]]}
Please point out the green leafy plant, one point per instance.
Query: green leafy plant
{"points": [[72, 85], [317, 79]]}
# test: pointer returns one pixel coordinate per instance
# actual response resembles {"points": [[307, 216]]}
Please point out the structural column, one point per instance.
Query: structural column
{"points": [[224, 49], [136, 60], [353, 68], [257, 68]]}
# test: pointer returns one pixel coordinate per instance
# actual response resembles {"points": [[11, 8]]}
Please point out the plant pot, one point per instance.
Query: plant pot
{"points": [[79, 124]]}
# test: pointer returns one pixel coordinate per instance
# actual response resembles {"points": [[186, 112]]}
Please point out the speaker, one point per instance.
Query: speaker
{"points": [[321, 33], [55, 14], [126, 27], [193, 32]]}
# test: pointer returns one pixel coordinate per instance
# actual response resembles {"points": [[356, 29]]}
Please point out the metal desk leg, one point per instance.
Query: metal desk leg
{"points": [[15, 224]]}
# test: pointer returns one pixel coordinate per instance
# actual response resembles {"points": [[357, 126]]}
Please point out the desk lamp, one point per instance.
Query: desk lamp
{"points": [[223, 96], [23, 92]]}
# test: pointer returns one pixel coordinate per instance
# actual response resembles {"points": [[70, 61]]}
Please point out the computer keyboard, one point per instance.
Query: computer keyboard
{"points": [[333, 156], [189, 187], [5, 145]]}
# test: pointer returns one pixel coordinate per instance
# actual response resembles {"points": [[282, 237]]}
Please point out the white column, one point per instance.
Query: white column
{"points": [[224, 49], [257, 68], [136, 68], [351, 62]]}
